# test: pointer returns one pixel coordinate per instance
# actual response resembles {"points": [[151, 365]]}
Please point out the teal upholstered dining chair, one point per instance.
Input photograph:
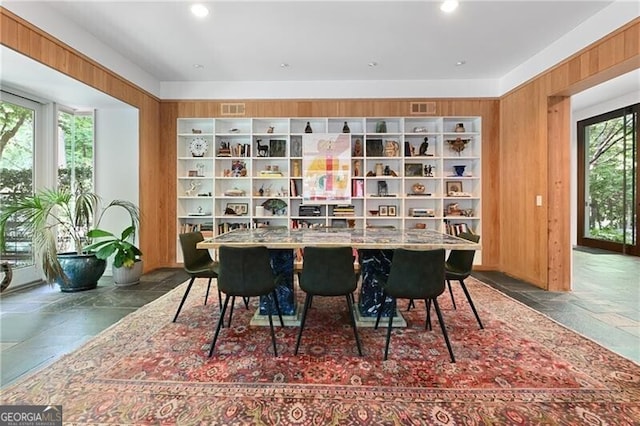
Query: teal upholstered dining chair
{"points": [[458, 267], [246, 272], [328, 271], [415, 274], [198, 264]]}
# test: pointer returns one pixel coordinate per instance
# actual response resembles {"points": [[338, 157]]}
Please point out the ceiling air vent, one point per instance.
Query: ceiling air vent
{"points": [[422, 108], [232, 109]]}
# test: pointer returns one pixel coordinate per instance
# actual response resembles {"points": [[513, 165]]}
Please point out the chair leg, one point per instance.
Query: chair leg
{"points": [[427, 324], [307, 303], [353, 322], [453, 300], [273, 334], [233, 303], [219, 325], [186, 292], [220, 300], [206, 296], [410, 305], [384, 300], [444, 329], [473, 307], [246, 302], [274, 295], [386, 346]]}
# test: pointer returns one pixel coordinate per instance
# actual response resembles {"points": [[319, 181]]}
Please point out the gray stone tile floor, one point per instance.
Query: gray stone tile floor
{"points": [[40, 324]]}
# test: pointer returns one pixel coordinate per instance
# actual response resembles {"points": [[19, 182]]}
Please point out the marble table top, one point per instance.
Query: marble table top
{"points": [[369, 238]]}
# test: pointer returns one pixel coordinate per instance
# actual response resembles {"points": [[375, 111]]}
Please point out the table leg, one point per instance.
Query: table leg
{"points": [[282, 264], [374, 268]]}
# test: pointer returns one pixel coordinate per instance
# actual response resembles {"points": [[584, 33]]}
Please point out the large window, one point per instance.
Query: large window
{"points": [[75, 149], [30, 159], [608, 181]]}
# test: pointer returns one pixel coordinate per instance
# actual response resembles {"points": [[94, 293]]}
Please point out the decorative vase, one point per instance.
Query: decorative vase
{"points": [[387, 170], [345, 128], [308, 128], [379, 169], [459, 170], [460, 128], [381, 127]]}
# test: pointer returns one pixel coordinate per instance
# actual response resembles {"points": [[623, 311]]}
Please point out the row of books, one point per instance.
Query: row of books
{"points": [[456, 228], [206, 228], [237, 150], [344, 210]]}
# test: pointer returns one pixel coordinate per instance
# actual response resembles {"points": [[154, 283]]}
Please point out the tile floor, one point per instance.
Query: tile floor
{"points": [[40, 324]]}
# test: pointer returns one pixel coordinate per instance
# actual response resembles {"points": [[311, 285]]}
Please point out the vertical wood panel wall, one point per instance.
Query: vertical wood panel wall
{"points": [[485, 108], [525, 144], [535, 142]]}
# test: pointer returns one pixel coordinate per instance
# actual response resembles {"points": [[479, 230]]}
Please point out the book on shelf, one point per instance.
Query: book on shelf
{"points": [[456, 228]]}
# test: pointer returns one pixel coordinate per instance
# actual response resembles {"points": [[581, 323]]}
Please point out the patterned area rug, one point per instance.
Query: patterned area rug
{"points": [[522, 369]]}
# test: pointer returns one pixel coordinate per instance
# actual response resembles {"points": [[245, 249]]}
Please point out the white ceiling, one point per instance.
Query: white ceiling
{"points": [[320, 41], [326, 40]]}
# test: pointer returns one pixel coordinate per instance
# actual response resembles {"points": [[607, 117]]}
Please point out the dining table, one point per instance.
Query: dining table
{"points": [[373, 248]]}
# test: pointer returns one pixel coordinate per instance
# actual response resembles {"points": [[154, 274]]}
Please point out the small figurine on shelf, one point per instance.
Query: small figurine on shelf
{"points": [[460, 128], [193, 188], [424, 146], [428, 170], [357, 148], [224, 150], [263, 150], [270, 129], [381, 127], [356, 168], [308, 128], [345, 128]]}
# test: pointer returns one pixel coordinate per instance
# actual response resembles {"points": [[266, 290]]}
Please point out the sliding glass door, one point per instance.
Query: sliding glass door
{"points": [[608, 181]]}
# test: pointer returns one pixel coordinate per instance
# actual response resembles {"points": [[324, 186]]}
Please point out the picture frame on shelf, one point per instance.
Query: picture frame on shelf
{"points": [[374, 148], [383, 211], [413, 169], [193, 173], [453, 186], [277, 148], [238, 209], [391, 211]]}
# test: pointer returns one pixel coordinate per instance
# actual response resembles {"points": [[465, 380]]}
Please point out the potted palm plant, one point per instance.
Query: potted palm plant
{"points": [[127, 263], [58, 220]]}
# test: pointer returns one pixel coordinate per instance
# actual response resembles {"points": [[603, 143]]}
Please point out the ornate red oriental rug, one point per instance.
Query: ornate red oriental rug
{"points": [[522, 369]]}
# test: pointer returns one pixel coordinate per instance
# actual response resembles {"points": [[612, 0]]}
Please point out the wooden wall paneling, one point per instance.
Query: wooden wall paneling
{"points": [[559, 199], [523, 115], [167, 140]]}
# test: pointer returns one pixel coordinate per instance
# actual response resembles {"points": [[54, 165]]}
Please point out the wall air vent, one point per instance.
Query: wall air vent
{"points": [[234, 110], [422, 108]]}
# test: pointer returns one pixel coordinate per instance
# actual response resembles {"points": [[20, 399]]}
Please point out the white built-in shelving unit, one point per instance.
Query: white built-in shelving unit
{"points": [[235, 174]]}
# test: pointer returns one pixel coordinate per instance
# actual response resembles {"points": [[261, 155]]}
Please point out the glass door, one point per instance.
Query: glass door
{"points": [[17, 146], [608, 181]]}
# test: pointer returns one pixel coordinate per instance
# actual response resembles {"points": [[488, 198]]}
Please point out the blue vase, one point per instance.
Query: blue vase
{"points": [[459, 170]]}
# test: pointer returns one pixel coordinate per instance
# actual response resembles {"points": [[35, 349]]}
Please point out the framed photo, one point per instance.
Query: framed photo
{"points": [[413, 169], [383, 211], [193, 173], [277, 148], [391, 211], [454, 186], [239, 209]]}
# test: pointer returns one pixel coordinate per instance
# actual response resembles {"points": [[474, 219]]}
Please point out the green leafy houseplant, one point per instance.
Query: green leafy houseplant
{"points": [[58, 215], [126, 253]]}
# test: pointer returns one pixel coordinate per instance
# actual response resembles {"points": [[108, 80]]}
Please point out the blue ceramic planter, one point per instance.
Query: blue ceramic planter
{"points": [[82, 270]]}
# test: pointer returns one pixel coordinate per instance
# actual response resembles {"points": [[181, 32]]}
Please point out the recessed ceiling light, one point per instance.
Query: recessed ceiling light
{"points": [[198, 66], [199, 10], [460, 63], [372, 64], [284, 65], [449, 6]]}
